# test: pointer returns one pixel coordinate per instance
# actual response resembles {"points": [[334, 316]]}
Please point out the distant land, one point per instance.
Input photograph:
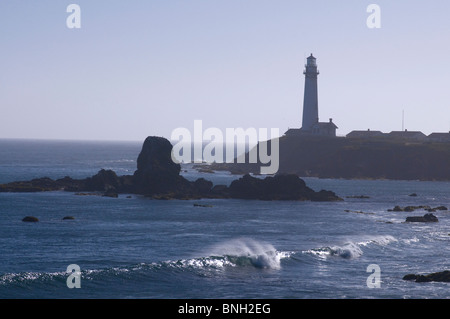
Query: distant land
{"points": [[357, 158]]}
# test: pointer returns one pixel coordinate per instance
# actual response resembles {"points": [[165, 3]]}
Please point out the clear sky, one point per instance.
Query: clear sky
{"points": [[140, 68]]}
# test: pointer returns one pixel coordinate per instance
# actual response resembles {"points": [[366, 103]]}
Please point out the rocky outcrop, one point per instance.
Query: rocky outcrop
{"points": [[427, 218], [36, 185], [156, 172], [443, 276], [279, 187], [157, 176], [413, 208], [436, 208]]}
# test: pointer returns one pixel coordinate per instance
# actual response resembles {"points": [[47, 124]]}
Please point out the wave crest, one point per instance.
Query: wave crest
{"points": [[246, 252], [350, 249]]}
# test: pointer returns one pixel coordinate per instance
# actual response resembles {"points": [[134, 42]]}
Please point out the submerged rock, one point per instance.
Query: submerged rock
{"points": [[110, 194], [30, 219], [358, 212], [202, 205], [358, 196]]}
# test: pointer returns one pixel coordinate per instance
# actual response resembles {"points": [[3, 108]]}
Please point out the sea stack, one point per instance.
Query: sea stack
{"points": [[156, 172]]}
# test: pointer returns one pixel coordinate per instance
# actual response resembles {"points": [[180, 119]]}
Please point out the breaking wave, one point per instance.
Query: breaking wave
{"points": [[351, 249], [246, 252], [235, 253]]}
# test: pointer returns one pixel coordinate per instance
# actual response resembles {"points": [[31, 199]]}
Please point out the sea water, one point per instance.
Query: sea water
{"points": [[136, 247]]}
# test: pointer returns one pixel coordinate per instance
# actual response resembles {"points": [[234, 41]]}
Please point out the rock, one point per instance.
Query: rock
{"points": [[220, 191], [358, 212], [443, 276], [408, 208], [203, 186], [36, 185], [324, 196], [429, 209], [358, 196], [410, 277], [104, 180], [417, 278], [202, 205], [110, 193], [278, 187], [156, 172], [30, 219], [68, 218], [427, 218], [162, 197]]}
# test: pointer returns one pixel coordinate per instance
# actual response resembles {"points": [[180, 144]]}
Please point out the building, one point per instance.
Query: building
{"points": [[407, 135], [365, 134], [439, 137], [310, 119]]}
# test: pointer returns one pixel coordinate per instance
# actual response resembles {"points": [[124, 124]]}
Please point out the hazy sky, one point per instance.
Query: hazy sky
{"points": [[140, 68]]}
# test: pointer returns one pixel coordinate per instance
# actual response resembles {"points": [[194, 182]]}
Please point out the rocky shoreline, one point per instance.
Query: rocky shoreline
{"points": [[158, 177]]}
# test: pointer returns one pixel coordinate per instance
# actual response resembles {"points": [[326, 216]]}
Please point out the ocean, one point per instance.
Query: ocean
{"points": [[136, 247]]}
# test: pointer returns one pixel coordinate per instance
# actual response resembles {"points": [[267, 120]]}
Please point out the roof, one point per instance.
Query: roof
{"points": [[367, 133], [439, 135], [325, 124], [407, 134]]}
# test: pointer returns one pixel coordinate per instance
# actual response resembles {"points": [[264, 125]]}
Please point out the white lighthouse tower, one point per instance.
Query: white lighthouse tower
{"points": [[310, 121], [310, 100]]}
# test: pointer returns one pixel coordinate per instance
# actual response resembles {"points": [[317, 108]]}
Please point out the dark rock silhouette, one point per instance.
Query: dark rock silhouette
{"points": [[156, 172], [427, 218], [279, 187], [30, 219], [443, 276], [104, 180], [413, 208], [157, 176], [202, 205]]}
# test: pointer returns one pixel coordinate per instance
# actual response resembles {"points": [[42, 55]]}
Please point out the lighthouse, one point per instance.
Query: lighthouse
{"points": [[310, 120], [310, 100]]}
